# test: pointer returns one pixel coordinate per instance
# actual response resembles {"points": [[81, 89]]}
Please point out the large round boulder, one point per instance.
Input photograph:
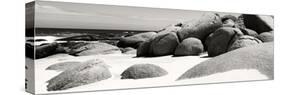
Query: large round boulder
{"points": [[266, 37], [258, 57], [200, 28], [243, 41], [189, 46], [164, 43], [259, 23], [88, 72], [140, 71], [217, 43], [135, 40]]}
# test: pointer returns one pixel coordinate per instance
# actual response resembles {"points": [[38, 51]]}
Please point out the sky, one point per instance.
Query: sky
{"points": [[93, 16]]}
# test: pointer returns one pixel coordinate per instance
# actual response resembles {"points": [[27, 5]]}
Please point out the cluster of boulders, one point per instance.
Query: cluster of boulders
{"points": [[211, 33]]}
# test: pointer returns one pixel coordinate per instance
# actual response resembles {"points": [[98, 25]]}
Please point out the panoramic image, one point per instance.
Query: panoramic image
{"points": [[76, 47]]}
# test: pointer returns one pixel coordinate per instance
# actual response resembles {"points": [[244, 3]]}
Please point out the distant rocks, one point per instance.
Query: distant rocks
{"points": [[244, 41], [259, 57], [258, 23], [218, 42], [266, 36], [189, 46], [86, 73], [140, 71], [45, 50], [135, 40], [96, 48], [200, 28]]}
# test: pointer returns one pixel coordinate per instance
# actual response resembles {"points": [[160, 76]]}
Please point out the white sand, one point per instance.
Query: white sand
{"points": [[175, 66]]}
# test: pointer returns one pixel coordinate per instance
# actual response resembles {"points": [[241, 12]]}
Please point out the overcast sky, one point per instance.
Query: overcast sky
{"points": [[93, 16]]}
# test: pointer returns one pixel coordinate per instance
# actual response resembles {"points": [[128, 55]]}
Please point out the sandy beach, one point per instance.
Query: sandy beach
{"points": [[175, 66]]}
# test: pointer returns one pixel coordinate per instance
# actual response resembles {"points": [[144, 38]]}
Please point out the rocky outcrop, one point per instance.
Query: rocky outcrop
{"points": [[88, 72], [189, 46], [140, 71]]}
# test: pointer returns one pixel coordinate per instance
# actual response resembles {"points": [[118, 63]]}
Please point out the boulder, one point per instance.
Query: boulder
{"points": [[135, 40], [244, 41], [94, 48], [259, 23], [140, 71], [259, 57], [189, 46], [200, 28], [164, 43], [266, 37], [143, 49], [88, 72], [63, 66], [249, 32], [218, 42]]}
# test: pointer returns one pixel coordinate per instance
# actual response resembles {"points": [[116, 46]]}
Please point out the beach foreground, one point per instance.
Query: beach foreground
{"points": [[175, 66]]}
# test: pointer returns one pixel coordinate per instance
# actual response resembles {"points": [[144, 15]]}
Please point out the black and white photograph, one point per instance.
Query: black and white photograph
{"points": [[76, 47]]}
